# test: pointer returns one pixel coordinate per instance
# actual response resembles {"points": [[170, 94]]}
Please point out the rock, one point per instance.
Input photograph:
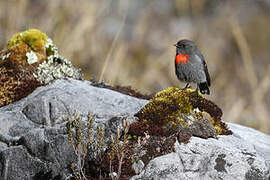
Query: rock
{"points": [[33, 138], [243, 155], [138, 166], [34, 141]]}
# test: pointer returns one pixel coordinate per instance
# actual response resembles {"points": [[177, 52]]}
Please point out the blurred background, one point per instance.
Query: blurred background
{"points": [[130, 43]]}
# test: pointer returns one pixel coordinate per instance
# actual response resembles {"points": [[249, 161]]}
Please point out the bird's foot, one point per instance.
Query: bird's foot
{"points": [[186, 87], [197, 90]]}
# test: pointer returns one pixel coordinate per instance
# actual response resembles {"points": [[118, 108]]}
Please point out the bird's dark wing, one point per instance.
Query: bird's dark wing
{"points": [[207, 74], [205, 68]]}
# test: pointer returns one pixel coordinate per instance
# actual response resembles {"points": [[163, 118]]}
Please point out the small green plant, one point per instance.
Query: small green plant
{"points": [[78, 144], [82, 144], [118, 150], [86, 142]]}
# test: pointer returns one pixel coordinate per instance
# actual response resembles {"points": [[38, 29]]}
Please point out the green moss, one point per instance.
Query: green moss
{"points": [[30, 59], [32, 37], [11, 89], [174, 107], [166, 107], [19, 60], [181, 121]]}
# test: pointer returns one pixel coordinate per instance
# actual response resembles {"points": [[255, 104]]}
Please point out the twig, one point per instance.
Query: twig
{"points": [[116, 37], [242, 43]]}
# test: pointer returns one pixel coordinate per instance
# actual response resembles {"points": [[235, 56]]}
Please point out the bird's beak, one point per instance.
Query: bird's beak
{"points": [[175, 45]]}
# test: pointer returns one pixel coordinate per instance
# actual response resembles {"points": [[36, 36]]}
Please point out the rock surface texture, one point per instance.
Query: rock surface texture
{"points": [[34, 141], [243, 155], [33, 137]]}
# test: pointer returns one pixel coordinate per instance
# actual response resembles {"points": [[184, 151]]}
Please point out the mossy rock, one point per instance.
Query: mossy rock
{"points": [[30, 59], [173, 110], [166, 106]]}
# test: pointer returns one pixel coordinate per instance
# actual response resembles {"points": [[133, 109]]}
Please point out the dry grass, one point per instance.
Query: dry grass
{"points": [[130, 43]]}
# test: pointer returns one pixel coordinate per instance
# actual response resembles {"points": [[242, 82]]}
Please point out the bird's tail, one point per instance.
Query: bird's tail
{"points": [[204, 89]]}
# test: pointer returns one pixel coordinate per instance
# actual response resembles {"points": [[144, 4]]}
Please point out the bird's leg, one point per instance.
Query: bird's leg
{"points": [[186, 87], [197, 89]]}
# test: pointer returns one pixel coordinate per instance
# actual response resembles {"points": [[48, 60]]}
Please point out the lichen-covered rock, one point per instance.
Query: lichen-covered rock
{"points": [[236, 156], [30, 59]]}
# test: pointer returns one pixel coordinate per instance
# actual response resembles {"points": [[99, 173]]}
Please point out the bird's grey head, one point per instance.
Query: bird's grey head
{"points": [[185, 47]]}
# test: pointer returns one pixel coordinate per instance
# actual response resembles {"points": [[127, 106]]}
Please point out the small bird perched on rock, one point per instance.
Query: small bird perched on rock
{"points": [[190, 66]]}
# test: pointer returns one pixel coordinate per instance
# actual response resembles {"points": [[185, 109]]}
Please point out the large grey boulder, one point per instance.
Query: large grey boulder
{"points": [[243, 155], [34, 140], [33, 137]]}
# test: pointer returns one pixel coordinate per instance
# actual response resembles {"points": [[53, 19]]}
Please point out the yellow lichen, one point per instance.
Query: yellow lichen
{"points": [[34, 38]]}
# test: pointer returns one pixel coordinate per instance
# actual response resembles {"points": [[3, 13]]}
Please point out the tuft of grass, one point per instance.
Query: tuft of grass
{"points": [[84, 144], [78, 144], [118, 149]]}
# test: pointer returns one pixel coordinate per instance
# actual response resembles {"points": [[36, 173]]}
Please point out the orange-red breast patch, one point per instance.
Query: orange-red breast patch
{"points": [[182, 58]]}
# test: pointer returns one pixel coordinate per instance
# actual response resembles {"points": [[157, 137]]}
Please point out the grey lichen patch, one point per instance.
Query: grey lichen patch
{"points": [[5, 56], [255, 173], [51, 48], [56, 67], [31, 57]]}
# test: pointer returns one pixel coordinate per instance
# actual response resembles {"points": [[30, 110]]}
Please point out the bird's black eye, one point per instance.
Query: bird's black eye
{"points": [[180, 45], [183, 46]]}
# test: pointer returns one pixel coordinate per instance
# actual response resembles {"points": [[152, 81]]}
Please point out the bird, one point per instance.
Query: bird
{"points": [[190, 66]]}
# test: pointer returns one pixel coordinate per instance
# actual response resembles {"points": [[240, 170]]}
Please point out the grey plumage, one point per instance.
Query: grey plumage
{"points": [[195, 70]]}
